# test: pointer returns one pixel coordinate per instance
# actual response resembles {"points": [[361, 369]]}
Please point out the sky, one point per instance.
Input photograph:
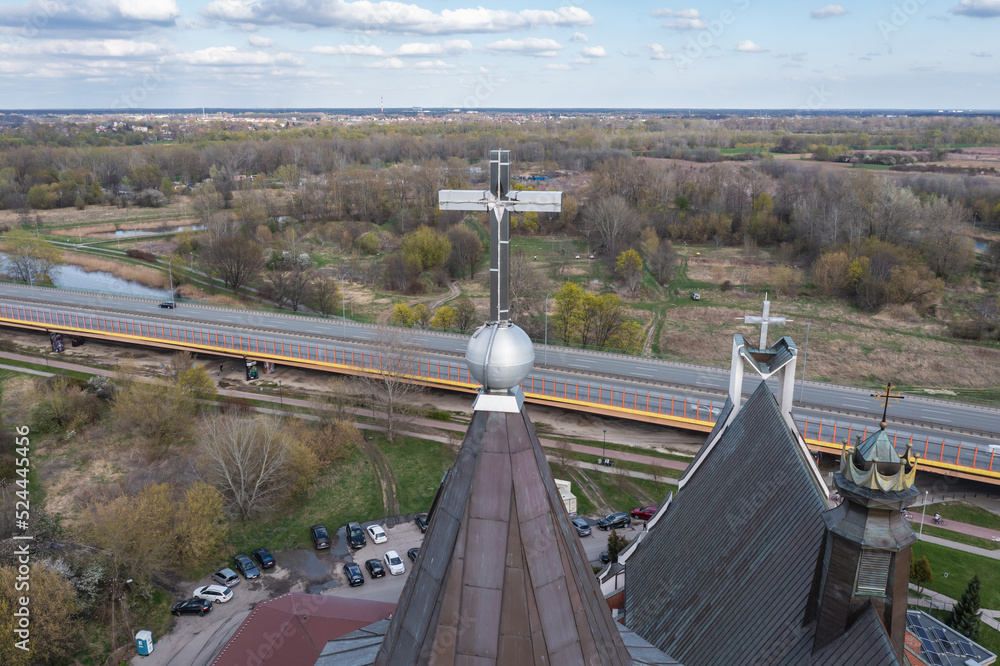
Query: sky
{"points": [[747, 54]]}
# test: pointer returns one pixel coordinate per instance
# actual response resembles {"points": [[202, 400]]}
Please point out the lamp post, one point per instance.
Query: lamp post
{"points": [[170, 270], [545, 360], [605, 445], [923, 512], [373, 408], [805, 357], [343, 304], [281, 396]]}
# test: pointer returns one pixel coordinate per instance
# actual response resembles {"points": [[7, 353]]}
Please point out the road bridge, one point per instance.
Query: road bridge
{"points": [[642, 396]]}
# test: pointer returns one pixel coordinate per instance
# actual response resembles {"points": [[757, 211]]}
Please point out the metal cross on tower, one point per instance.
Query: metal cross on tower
{"points": [[500, 201], [885, 396], [764, 320]]}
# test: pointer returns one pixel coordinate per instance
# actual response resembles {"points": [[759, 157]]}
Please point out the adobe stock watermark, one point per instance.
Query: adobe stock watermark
{"points": [[819, 97], [22, 517], [899, 16], [31, 25], [483, 87], [706, 38], [134, 97]]}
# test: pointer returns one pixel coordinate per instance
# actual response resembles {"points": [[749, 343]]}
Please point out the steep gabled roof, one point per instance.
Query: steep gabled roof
{"points": [[502, 577], [728, 574]]}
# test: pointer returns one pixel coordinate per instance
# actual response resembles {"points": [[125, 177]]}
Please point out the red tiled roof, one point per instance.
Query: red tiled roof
{"points": [[294, 628]]}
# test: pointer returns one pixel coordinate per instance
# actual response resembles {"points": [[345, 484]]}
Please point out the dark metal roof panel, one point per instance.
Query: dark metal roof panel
{"points": [[730, 566]]}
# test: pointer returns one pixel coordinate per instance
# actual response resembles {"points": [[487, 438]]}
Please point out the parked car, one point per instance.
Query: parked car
{"points": [[696, 296], [263, 557], [394, 563], [377, 534], [614, 520], [219, 594], [191, 607], [604, 557], [353, 573], [246, 567], [167, 304], [421, 521], [582, 526], [355, 535], [320, 537], [644, 512], [375, 569], [413, 553], [226, 577]]}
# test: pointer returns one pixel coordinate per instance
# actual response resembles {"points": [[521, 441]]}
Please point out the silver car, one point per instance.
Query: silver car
{"points": [[226, 577], [582, 526]]}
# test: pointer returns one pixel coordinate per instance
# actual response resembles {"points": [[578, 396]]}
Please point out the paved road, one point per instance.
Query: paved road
{"points": [[630, 379]]}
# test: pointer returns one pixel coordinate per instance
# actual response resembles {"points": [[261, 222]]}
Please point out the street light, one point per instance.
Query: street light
{"points": [[805, 357], [281, 396], [170, 269], [923, 512], [605, 446], [373, 408], [343, 305], [545, 360]]}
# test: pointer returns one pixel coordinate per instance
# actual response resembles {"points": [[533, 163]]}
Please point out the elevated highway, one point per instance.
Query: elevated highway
{"points": [[953, 438]]}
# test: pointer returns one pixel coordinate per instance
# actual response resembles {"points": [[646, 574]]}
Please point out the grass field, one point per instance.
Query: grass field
{"points": [[961, 567], [958, 537], [963, 512], [418, 466]]}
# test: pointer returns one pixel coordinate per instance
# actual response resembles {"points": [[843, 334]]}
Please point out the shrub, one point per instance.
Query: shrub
{"points": [[144, 255], [726, 286], [439, 415]]}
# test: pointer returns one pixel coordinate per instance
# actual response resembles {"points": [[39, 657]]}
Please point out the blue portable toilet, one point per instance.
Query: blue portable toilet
{"points": [[144, 642]]}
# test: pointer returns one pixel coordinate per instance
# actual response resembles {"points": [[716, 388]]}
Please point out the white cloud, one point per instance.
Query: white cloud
{"points": [[579, 38], [389, 16], [349, 49], [91, 48], [108, 15], [657, 52], [532, 46], [982, 54], [746, 46], [828, 12], [977, 8], [559, 67], [388, 63], [230, 55], [628, 54], [433, 64], [686, 24], [680, 13], [261, 42], [450, 47], [593, 52]]}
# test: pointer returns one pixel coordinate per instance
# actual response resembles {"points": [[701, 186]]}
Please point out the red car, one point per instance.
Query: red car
{"points": [[644, 512]]}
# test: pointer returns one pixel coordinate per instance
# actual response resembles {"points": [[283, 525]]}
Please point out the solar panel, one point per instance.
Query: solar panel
{"points": [[941, 636], [927, 645], [921, 633], [969, 650]]}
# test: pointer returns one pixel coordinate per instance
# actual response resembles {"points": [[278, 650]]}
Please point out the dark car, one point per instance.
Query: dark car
{"points": [[614, 520], [604, 556], [375, 569], [191, 607], [246, 567], [353, 573], [644, 512], [356, 536], [263, 557], [320, 537], [167, 304], [412, 554], [582, 526], [421, 521]]}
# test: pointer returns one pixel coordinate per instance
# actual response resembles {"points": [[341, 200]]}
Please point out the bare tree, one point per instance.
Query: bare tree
{"points": [[247, 460], [323, 295], [466, 251], [615, 223], [236, 259], [393, 360]]}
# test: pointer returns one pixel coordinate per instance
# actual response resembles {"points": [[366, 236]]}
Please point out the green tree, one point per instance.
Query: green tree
{"points": [[965, 615], [146, 176], [403, 314], [628, 267], [921, 573], [426, 247], [616, 544], [40, 198], [54, 629], [29, 258], [199, 530], [569, 316], [422, 314], [465, 313], [198, 386]]}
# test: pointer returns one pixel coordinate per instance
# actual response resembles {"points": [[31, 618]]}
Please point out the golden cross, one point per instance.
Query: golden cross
{"points": [[884, 396]]}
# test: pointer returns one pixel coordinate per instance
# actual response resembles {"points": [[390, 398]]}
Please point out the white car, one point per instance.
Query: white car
{"points": [[394, 563], [220, 594], [377, 534]]}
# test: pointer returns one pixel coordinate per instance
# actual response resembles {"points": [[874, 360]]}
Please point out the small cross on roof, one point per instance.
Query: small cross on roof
{"points": [[764, 320]]}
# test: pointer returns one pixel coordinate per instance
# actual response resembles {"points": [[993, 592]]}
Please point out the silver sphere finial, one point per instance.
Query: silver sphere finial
{"points": [[499, 356]]}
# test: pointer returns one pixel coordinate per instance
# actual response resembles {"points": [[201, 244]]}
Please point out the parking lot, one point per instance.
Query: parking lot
{"points": [[194, 641]]}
